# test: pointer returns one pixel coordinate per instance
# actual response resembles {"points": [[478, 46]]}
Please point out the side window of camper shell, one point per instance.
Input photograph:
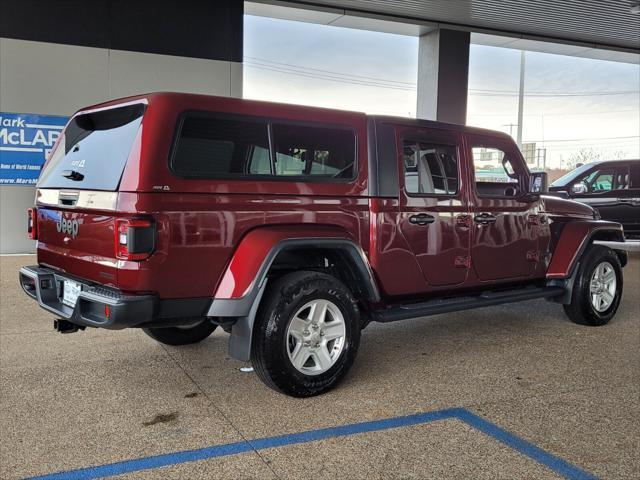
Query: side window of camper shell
{"points": [[219, 147]]}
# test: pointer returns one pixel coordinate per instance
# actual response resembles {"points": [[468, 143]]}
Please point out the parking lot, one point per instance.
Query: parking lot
{"points": [[514, 391]]}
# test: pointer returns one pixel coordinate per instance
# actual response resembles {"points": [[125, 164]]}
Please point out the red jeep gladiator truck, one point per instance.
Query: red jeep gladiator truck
{"points": [[293, 227]]}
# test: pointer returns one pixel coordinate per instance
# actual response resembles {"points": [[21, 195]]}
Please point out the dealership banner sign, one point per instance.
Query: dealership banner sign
{"points": [[25, 142]]}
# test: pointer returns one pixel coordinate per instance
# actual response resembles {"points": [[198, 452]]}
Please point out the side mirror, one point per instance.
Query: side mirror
{"points": [[579, 188], [538, 183]]}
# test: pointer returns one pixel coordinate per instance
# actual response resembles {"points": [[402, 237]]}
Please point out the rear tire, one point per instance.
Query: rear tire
{"points": [[597, 288], [181, 335], [306, 334]]}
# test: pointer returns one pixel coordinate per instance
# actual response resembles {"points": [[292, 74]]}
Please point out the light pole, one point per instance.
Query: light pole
{"points": [[521, 98]]}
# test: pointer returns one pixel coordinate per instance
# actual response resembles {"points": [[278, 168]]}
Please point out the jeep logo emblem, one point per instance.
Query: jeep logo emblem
{"points": [[69, 227]]}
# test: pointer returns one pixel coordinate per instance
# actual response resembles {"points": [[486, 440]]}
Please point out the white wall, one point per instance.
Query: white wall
{"points": [[55, 79]]}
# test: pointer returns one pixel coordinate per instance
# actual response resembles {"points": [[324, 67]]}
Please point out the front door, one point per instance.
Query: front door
{"points": [[614, 190], [504, 244], [434, 218]]}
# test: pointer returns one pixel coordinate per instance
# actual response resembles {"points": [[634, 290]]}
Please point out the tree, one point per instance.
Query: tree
{"points": [[584, 155]]}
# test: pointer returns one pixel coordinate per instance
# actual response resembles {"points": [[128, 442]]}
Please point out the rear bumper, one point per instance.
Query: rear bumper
{"points": [[45, 286]]}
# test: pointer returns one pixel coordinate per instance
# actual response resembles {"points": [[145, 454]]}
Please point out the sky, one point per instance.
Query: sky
{"points": [[570, 103]]}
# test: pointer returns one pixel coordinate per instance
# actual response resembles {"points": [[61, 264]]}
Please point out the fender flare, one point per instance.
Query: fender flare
{"points": [[244, 307], [574, 239]]}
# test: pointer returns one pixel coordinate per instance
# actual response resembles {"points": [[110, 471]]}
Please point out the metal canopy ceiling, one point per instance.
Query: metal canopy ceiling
{"points": [[597, 23]]}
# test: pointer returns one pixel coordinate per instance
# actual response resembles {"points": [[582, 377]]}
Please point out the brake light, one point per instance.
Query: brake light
{"points": [[134, 238], [32, 223]]}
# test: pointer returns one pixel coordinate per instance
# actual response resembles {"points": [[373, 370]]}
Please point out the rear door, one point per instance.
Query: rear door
{"points": [[77, 193], [434, 218], [630, 199], [504, 245]]}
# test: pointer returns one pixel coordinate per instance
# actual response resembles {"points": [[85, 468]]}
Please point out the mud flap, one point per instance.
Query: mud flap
{"points": [[567, 283], [242, 329]]}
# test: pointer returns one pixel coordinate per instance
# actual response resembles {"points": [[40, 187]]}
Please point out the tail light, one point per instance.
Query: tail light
{"points": [[32, 223], [135, 239]]}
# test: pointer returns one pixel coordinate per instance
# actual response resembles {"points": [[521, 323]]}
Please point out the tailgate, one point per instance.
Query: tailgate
{"points": [[80, 243]]}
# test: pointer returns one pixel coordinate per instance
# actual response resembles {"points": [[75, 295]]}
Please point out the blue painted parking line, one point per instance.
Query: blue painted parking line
{"points": [[528, 449], [550, 461]]}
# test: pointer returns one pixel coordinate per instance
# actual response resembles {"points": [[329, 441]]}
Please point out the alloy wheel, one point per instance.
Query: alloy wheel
{"points": [[316, 337], [602, 287]]}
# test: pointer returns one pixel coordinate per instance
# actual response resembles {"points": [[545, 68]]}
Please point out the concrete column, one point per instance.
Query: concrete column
{"points": [[50, 65], [443, 76]]}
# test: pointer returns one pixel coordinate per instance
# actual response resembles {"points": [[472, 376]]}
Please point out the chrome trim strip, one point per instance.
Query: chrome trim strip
{"points": [[87, 199], [627, 245], [47, 197]]}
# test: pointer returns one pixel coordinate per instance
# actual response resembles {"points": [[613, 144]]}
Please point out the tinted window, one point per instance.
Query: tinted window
{"points": [[93, 150], [213, 147], [220, 147], [430, 169], [317, 152]]}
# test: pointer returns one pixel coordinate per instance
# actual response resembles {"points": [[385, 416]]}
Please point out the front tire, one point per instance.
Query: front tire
{"points": [[306, 334], [597, 288], [176, 336]]}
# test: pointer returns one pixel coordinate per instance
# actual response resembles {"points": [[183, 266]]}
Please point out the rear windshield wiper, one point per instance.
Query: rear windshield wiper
{"points": [[72, 175]]}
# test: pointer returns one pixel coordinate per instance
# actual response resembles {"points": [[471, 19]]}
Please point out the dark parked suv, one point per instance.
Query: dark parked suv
{"points": [[292, 228], [612, 188]]}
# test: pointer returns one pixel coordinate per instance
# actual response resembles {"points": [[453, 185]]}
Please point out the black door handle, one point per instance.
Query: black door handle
{"points": [[421, 219], [484, 219]]}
